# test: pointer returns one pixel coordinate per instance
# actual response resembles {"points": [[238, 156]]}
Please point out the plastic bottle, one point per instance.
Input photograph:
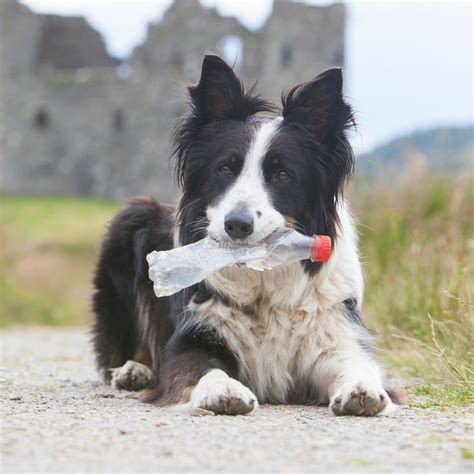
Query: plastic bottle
{"points": [[179, 268]]}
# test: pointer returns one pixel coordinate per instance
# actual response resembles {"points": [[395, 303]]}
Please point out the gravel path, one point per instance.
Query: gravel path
{"points": [[57, 417]]}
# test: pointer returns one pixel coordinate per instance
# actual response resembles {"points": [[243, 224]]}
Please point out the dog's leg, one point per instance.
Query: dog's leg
{"points": [[221, 394], [352, 382], [346, 374], [128, 316], [199, 372], [135, 374]]}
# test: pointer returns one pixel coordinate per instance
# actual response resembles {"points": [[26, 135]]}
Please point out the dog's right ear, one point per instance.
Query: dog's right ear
{"points": [[220, 95]]}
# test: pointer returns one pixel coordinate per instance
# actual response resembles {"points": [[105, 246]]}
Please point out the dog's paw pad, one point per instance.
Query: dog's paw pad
{"points": [[221, 394], [132, 376], [359, 401]]}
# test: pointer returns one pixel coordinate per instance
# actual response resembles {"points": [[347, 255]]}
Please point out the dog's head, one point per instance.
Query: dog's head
{"points": [[245, 172]]}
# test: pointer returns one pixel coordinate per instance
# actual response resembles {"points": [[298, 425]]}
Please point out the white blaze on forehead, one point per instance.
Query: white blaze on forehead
{"points": [[249, 190], [250, 184], [258, 148]]}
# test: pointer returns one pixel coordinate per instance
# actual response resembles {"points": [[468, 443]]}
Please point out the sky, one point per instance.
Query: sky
{"points": [[409, 65]]}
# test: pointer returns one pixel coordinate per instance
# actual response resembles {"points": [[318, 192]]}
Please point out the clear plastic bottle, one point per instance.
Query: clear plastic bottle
{"points": [[179, 268]]}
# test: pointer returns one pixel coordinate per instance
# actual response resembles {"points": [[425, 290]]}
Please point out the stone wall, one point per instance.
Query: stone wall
{"points": [[70, 125]]}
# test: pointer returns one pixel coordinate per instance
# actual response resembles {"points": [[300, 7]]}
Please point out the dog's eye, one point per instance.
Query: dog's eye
{"points": [[283, 176], [225, 170]]}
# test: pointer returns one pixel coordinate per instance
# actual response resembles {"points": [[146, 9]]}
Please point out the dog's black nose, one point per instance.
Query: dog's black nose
{"points": [[238, 224]]}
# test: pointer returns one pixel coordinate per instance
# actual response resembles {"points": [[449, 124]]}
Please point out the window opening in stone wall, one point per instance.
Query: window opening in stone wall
{"points": [[118, 120], [41, 119], [286, 56], [177, 60]]}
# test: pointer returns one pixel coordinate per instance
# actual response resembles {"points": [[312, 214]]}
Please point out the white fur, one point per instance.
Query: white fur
{"points": [[301, 337], [249, 189], [219, 393]]}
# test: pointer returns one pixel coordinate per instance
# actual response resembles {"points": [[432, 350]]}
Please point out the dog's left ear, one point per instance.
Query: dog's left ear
{"points": [[319, 105], [220, 95]]}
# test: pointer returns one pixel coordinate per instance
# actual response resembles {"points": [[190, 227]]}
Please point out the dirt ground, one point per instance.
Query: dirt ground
{"points": [[56, 416]]}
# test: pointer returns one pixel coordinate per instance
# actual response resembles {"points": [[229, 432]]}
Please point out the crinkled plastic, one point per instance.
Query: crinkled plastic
{"points": [[179, 268]]}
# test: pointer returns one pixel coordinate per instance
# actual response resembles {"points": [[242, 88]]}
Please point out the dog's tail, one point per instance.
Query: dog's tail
{"points": [[398, 396], [150, 395]]}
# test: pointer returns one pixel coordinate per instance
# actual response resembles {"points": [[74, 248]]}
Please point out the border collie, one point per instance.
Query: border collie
{"points": [[243, 337]]}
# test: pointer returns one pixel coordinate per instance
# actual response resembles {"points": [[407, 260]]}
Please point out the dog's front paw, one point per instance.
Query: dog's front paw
{"points": [[360, 399], [221, 394], [132, 376]]}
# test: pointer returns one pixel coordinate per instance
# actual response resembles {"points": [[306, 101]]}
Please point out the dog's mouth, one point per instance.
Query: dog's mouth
{"points": [[231, 243], [240, 243]]}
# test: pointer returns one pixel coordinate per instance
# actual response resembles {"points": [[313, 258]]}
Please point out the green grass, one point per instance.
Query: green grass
{"points": [[417, 243], [48, 251], [417, 239], [441, 396], [467, 453], [54, 220]]}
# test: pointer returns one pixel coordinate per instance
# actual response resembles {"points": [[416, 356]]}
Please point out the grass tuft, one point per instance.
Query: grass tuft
{"points": [[441, 396], [467, 453], [417, 241]]}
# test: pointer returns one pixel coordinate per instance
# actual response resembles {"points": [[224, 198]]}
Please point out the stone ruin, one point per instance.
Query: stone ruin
{"points": [[76, 121]]}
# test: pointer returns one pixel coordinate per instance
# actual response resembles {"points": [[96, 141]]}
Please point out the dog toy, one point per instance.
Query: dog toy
{"points": [[182, 267]]}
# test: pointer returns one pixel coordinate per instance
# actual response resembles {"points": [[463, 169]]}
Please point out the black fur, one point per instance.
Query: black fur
{"points": [[217, 131], [311, 147], [191, 352], [316, 120], [353, 314], [204, 293], [352, 311], [181, 352], [122, 278]]}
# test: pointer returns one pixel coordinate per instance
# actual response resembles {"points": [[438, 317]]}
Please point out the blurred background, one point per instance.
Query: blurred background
{"points": [[89, 93]]}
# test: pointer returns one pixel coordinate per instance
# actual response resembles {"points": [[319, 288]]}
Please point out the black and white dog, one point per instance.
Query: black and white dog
{"points": [[290, 335]]}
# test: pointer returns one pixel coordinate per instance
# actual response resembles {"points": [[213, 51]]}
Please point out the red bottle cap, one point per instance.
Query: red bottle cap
{"points": [[320, 248]]}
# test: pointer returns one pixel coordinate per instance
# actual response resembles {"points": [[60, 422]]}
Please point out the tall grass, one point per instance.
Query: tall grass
{"points": [[48, 247], [417, 242]]}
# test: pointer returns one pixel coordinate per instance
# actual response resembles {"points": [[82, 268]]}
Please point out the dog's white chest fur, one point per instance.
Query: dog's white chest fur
{"points": [[296, 321]]}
